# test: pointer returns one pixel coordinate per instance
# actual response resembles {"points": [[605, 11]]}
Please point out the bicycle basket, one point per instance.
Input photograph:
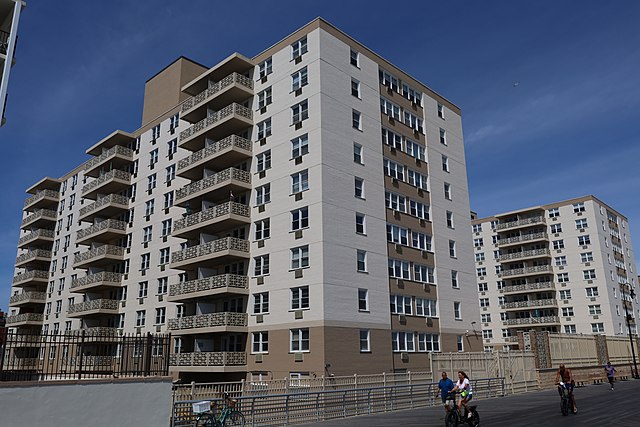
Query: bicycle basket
{"points": [[200, 407]]}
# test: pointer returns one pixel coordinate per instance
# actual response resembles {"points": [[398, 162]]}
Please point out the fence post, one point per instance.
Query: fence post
{"points": [[193, 389], [81, 355], [147, 358]]}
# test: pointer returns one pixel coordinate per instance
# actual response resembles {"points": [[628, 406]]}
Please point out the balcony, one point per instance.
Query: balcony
{"points": [[534, 321], [111, 182], [27, 298], [98, 281], [41, 218], [209, 323], [103, 231], [220, 361], [41, 200], [528, 287], [219, 155], [98, 331], [211, 254], [535, 253], [36, 257], [105, 207], [232, 119], [31, 278], [527, 271], [117, 156], [25, 319], [214, 187], [518, 305], [223, 216], [524, 238], [100, 256], [94, 307], [214, 285], [37, 237], [520, 223], [234, 87]]}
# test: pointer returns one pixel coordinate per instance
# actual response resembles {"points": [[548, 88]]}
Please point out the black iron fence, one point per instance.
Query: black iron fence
{"points": [[76, 355]]}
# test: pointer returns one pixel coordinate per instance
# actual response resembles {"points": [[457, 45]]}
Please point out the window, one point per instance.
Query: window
{"points": [[260, 342], [481, 271], [390, 109], [586, 257], [589, 274], [299, 218], [163, 285], [411, 94], [565, 294], [440, 110], [168, 199], [147, 234], [393, 169], [263, 194], [454, 279], [584, 240], [361, 260], [567, 311], [457, 310], [300, 298], [417, 179], [263, 230], [261, 303], [421, 241], [556, 228], [487, 334], [595, 309], [357, 153], [356, 119], [170, 173], [166, 227], [395, 202], [354, 58], [563, 277], [485, 318], [397, 234], [483, 287], [300, 257], [261, 265], [264, 98], [428, 342], [172, 147], [447, 191], [153, 157], [423, 273], [445, 163], [359, 188], [419, 210], [355, 88], [480, 257], [450, 219], [300, 182], [581, 223], [578, 207], [388, 80], [300, 112], [299, 146], [299, 79], [299, 48], [265, 67], [364, 340], [392, 139], [478, 242], [570, 329], [484, 302], [561, 260], [558, 244], [415, 150], [363, 300], [398, 269], [143, 289], [597, 328], [413, 121], [263, 161], [592, 292], [452, 248], [299, 340], [360, 223], [149, 207], [140, 317], [145, 260], [165, 254], [264, 129], [161, 314]]}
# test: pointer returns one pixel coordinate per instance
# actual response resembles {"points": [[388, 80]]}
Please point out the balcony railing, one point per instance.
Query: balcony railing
{"points": [[33, 274], [208, 284], [526, 270], [41, 195], [218, 358], [40, 213], [528, 287], [25, 317], [210, 320], [530, 303], [220, 245], [101, 277], [212, 150], [37, 253], [525, 254], [214, 89], [118, 149], [97, 331], [113, 174], [103, 225], [523, 238], [4, 42], [212, 213], [520, 222], [42, 232], [111, 198], [100, 251], [37, 297], [216, 117], [533, 320], [213, 180], [96, 304]]}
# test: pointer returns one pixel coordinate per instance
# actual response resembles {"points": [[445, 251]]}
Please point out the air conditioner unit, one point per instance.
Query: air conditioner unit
{"points": [[402, 319], [141, 300], [160, 298], [262, 174], [298, 274], [298, 160], [261, 243], [259, 318], [263, 109], [298, 314], [404, 357], [263, 141], [298, 59], [394, 181], [258, 358], [429, 321], [138, 330], [393, 149], [163, 267], [298, 196], [120, 332], [420, 192], [425, 254], [263, 79], [396, 214], [298, 92], [261, 208], [260, 280], [298, 125], [298, 234], [297, 357], [400, 283], [398, 247], [423, 222], [124, 304], [158, 328]]}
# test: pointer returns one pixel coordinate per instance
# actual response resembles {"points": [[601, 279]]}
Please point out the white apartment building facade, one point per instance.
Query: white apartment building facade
{"points": [[10, 11], [566, 267], [303, 212]]}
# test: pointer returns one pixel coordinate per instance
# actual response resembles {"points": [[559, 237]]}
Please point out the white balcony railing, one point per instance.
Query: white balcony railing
{"points": [[218, 358], [525, 254], [216, 117], [520, 222], [220, 245], [526, 270], [214, 89], [212, 213], [209, 320], [212, 181], [209, 283], [211, 151]]}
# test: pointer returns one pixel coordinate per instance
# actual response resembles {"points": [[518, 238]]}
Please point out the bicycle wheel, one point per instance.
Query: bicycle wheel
{"points": [[206, 420], [475, 419], [451, 420], [564, 406], [235, 418]]}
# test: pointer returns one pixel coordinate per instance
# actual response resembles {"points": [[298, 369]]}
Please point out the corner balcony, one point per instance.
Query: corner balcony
{"points": [[534, 321], [103, 255], [209, 286], [111, 182], [219, 155], [527, 271], [27, 298], [41, 218], [232, 88], [98, 281], [37, 237], [219, 361], [105, 207], [525, 222], [209, 323], [528, 287], [118, 157], [37, 257], [220, 217], [31, 278], [103, 231], [94, 307], [519, 305], [517, 240], [231, 119], [25, 319], [42, 200], [536, 253], [214, 187], [210, 254]]}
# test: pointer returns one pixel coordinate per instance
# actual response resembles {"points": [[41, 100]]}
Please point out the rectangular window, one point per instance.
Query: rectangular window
{"points": [[390, 109], [423, 273], [413, 121], [561, 260], [299, 340], [299, 298], [597, 328], [359, 188], [299, 48], [153, 157], [565, 294], [388, 80], [441, 111], [578, 207], [263, 194], [395, 201], [264, 129], [393, 169], [417, 179], [361, 260], [452, 248], [487, 334], [480, 256], [143, 289], [163, 285], [355, 88], [397, 234], [445, 163], [299, 146], [161, 314], [481, 271], [553, 212], [363, 300], [364, 341], [356, 121], [357, 153], [556, 228], [265, 67], [299, 218], [170, 173], [261, 265], [168, 199], [450, 219], [563, 277], [360, 223], [398, 269], [485, 318], [263, 229], [426, 307], [558, 244], [354, 58], [300, 257], [589, 274], [149, 207], [454, 279], [141, 317], [411, 94], [151, 182], [166, 227], [145, 260], [595, 309], [300, 182], [300, 112], [567, 311], [581, 223], [392, 139], [299, 79], [483, 287], [415, 150], [428, 342], [419, 210], [263, 161], [264, 98], [457, 310], [484, 302], [165, 254], [261, 303], [147, 233], [584, 240], [447, 191], [421, 241], [401, 304], [586, 257], [570, 329], [443, 136], [260, 342], [592, 291]]}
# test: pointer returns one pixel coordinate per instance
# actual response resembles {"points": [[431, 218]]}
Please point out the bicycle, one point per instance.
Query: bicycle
{"points": [[228, 414], [566, 400], [455, 418]]}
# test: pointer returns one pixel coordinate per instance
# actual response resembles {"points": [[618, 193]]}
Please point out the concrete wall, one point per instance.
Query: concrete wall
{"points": [[142, 403]]}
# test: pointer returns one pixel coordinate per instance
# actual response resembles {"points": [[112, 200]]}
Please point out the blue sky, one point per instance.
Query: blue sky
{"points": [[569, 128]]}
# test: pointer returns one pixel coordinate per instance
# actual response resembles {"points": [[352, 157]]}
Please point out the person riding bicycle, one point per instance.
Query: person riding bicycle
{"points": [[566, 376], [464, 386], [444, 387]]}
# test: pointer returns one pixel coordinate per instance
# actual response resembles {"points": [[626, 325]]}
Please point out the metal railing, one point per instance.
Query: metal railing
{"points": [[25, 317], [96, 304], [212, 150], [209, 283], [37, 253], [33, 274], [41, 195], [214, 89], [42, 232], [525, 254], [530, 303], [523, 238], [212, 213], [103, 225], [118, 149], [533, 320], [40, 213], [38, 297], [526, 270], [209, 358], [111, 198], [520, 222], [100, 251], [215, 117], [101, 277], [112, 174], [209, 320], [528, 287], [220, 245], [213, 180]]}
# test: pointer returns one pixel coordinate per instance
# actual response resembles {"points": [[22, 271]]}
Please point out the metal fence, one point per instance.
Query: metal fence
{"points": [[82, 354], [310, 406]]}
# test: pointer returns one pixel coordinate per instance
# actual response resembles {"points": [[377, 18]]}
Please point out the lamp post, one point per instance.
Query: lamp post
{"points": [[627, 316]]}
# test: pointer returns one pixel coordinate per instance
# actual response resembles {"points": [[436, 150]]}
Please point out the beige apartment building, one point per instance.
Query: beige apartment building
{"points": [[300, 213], [566, 267], [9, 18]]}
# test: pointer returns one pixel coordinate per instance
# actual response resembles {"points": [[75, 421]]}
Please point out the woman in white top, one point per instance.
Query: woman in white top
{"points": [[466, 394]]}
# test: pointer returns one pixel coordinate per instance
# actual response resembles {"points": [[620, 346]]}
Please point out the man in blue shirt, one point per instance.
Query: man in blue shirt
{"points": [[445, 386]]}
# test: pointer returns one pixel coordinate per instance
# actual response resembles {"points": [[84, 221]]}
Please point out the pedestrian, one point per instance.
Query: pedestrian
{"points": [[610, 370], [445, 386]]}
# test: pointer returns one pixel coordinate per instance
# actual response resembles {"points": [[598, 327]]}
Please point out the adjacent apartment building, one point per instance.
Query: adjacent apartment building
{"points": [[565, 267], [9, 17], [302, 212]]}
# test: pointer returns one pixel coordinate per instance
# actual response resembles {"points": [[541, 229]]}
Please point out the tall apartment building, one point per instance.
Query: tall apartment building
{"points": [[303, 212], [9, 18], [565, 267]]}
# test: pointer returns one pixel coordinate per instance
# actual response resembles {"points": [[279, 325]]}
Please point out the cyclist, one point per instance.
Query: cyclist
{"points": [[445, 386], [464, 386], [564, 374]]}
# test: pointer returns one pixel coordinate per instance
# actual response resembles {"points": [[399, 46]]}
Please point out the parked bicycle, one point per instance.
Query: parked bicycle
{"points": [[455, 418], [566, 399], [213, 416]]}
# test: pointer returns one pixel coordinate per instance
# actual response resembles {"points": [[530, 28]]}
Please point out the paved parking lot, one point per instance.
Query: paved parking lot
{"points": [[597, 406]]}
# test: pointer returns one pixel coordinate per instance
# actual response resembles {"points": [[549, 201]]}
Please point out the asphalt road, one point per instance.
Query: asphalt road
{"points": [[597, 406]]}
